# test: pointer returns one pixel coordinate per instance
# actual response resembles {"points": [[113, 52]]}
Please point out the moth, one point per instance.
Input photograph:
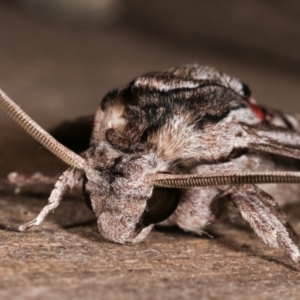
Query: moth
{"points": [[178, 147]]}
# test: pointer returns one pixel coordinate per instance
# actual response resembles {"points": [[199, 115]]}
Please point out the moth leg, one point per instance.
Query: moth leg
{"points": [[274, 208], [36, 184], [28, 184], [276, 141], [67, 180], [264, 220], [142, 235], [22, 179]]}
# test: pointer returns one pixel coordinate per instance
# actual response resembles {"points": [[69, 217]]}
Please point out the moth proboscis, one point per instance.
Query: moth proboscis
{"points": [[177, 147]]}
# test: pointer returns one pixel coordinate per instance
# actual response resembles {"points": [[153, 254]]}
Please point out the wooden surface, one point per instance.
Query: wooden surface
{"points": [[66, 258], [56, 72]]}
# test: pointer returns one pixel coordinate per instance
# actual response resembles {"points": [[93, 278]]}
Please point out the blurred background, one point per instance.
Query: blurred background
{"points": [[58, 58]]}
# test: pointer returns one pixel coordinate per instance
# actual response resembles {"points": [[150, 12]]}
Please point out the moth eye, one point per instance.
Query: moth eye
{"points": [[246, 90], [161, 205], [85, 194]]}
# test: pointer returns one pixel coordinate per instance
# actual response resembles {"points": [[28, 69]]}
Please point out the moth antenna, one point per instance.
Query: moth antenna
{"points": [[188, 181], [39, 134]]}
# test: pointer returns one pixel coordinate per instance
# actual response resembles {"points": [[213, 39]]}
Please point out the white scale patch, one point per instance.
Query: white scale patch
{"points": [[112, 117]]}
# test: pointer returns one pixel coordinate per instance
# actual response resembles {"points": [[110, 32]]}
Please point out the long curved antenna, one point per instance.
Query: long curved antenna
{"points": [[188, 181], [38, 133]]}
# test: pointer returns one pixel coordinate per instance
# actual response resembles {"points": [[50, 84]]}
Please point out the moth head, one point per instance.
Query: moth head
{"points": [[122, 195]]}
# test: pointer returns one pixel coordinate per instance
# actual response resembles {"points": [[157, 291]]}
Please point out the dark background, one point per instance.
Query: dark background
{"points": [[57, 60]]}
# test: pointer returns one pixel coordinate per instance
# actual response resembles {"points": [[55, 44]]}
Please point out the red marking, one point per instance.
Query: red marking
{"points": [[258, 111]]}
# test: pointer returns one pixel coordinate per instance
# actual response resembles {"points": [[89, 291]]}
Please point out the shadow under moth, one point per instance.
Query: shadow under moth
{"points": [[177, 147]]}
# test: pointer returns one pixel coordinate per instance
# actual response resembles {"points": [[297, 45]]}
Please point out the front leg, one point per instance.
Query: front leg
{"points": [[67, 180], [250, 201]]}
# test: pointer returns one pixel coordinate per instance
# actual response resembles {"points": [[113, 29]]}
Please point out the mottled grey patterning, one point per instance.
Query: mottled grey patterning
{"points": [[187, 120]]}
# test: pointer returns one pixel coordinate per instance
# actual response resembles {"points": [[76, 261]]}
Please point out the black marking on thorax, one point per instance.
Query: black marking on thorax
{"points": [[152, 100]]}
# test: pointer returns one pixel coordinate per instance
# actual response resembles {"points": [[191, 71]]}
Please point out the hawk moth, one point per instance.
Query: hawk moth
{"points": [[178, 147]]}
